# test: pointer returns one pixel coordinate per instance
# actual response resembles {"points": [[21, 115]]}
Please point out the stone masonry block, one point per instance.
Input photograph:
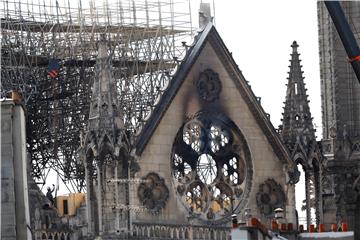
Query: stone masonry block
{"points": [[7, 194], [153, 149], [7, 197], [6, 137], [6, 128], [160, 139], [6, 124], [7, 171], [8, 216], [166, 149], [6, 151], [8, 232]]}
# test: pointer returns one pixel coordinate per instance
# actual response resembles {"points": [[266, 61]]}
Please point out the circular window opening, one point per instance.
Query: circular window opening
{"points": [[211, 167]]}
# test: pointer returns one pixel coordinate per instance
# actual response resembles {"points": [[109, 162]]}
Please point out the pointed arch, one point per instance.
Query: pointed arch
{"points": [[106, 146], [300, 159]]}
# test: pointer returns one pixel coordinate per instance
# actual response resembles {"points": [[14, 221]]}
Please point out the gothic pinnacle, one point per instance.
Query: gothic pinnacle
{"points": [[294, 46], [297, 121]]}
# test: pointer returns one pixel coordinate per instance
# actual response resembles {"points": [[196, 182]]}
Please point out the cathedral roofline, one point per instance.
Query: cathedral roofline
{"points": [[210, 34], [171, 91]]}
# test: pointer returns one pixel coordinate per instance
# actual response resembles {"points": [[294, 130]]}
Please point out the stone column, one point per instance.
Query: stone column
{"points": [[357, 218], [127, 198], [307, 192], [291, 205], [89, 188], [117, 202], [318, 197], [8, 221], [350, 216], [99, 197], [15, 215]]}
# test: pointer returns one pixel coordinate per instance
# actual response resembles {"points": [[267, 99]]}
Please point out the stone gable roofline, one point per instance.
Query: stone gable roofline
{"points": [[174, 85], [210, 34]]}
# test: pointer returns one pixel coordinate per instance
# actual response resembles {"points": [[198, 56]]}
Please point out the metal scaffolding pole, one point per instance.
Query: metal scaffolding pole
{"points": [[48, 53]]}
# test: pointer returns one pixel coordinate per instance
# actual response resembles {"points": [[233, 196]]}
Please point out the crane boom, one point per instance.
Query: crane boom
{"points": [[346, 35]]}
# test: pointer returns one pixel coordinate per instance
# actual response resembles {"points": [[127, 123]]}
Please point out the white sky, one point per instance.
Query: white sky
{"points": [[259, 35]]}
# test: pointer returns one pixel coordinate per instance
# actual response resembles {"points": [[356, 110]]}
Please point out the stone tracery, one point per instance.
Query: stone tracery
{"points": [[153, 193], [211, 166], [269, 197], [208, 85]]}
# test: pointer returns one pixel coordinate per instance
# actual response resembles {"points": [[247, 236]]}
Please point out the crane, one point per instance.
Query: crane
{"points": [[346, 35]]}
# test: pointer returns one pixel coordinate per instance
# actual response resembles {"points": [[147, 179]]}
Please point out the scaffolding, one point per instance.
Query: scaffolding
{"points": [[48, 53]]}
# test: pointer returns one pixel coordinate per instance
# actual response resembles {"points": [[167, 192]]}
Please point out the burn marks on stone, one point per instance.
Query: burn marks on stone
{"points": [[208, 85], [211, 166], [269, 197], [153, 193]]}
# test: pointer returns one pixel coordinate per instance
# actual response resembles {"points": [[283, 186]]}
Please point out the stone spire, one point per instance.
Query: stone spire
{"points": [[103, 107], [105, 150], [298, 134], [297, 121]]}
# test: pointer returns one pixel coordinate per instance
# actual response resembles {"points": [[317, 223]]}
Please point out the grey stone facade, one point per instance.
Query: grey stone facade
{"points": [[340, 90], [105, 154], [205, 152], [187, 105], [14, 189], [340, 94]]}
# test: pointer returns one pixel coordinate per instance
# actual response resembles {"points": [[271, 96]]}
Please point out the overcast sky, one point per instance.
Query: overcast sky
{"points": [[259, 35]]}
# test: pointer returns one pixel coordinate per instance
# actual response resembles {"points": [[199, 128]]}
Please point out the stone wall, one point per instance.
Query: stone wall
{"points": [[156, 156], [340, 94], [14, 189], [340, 89]]}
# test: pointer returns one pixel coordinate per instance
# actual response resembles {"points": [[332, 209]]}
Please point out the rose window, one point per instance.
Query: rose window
{"points": [[211, 166]]}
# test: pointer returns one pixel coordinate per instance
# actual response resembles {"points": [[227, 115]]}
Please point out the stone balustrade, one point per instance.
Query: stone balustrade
{"points": [[51, 234], [161, 231]]}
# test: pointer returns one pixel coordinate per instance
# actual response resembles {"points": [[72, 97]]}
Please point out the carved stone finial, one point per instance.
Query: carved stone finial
{"points": [[204, 14], [294, 46]]}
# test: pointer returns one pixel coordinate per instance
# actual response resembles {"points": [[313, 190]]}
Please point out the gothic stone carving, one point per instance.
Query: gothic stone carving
{"points": [[294, 175], [269, 197], [211, 166], [209, 85], [153, 193], [133, 165], [347, 188]]}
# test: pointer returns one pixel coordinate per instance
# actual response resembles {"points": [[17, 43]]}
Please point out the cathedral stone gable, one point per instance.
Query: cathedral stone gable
{"points": [[210, 36], [221, 127]]}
